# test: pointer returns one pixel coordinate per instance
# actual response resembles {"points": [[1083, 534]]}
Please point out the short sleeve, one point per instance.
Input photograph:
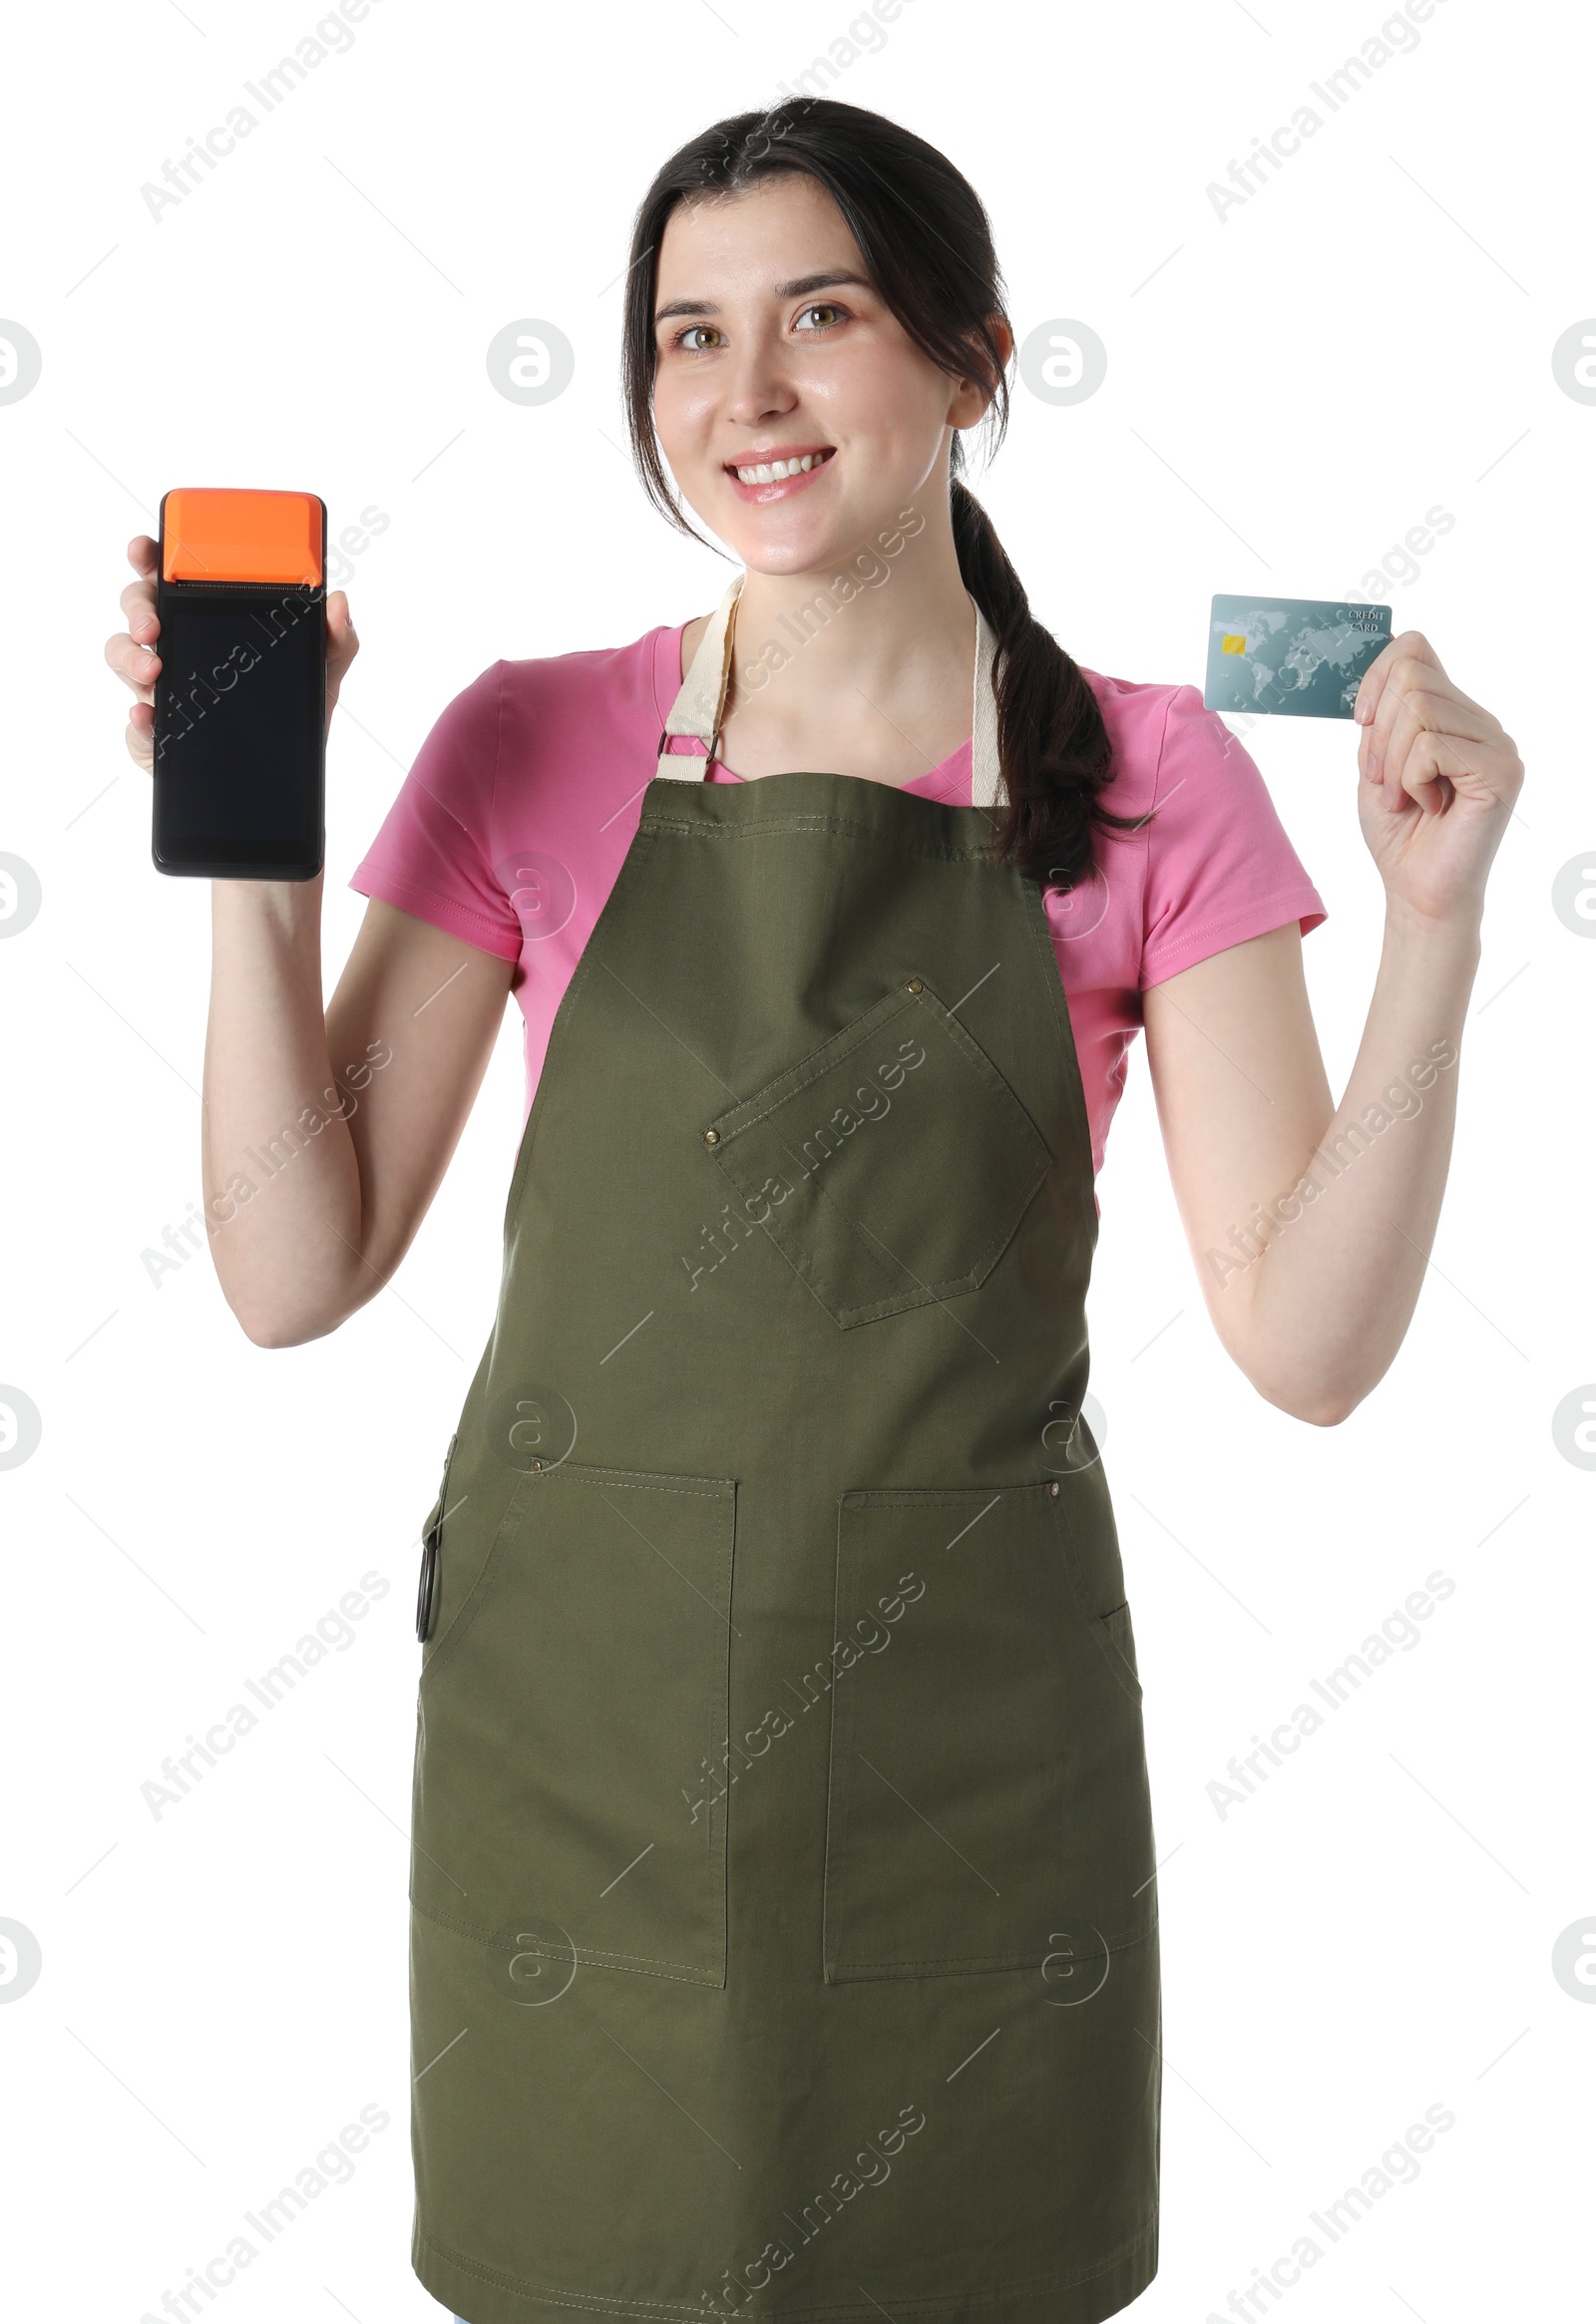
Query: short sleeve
{"points": [[1220, 867], [430, 856]]}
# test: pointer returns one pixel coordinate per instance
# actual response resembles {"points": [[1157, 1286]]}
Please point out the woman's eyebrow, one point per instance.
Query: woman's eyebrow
{"points": [[796, 290]]}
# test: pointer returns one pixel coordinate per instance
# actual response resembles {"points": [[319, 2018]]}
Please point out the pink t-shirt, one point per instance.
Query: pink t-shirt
{"points": [[511, 827]]}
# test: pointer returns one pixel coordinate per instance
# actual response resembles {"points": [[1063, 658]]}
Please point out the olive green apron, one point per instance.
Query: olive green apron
{"points": [[783, 1937]]}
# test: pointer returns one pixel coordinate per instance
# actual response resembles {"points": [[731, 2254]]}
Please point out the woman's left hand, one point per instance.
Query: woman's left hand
{"points": [[1439, 778]]}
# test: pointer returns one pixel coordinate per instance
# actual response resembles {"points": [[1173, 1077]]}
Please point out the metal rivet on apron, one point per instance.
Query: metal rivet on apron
{"points": [[539, 1464], [1053, 1489], [711, 1137], [915, 986]]}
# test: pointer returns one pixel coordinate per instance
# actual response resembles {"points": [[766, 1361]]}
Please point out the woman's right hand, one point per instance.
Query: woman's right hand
{"points": [[131, 653]]}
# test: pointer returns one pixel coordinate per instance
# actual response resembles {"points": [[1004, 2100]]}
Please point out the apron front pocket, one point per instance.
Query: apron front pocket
{"points": [[988, 1778], [892, 1166], [430, 1537], [1122, 1637], [585, 1675]]}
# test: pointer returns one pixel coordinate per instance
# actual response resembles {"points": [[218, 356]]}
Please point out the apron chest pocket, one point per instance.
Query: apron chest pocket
{"points": [[987, 1779], [891, 1167]]}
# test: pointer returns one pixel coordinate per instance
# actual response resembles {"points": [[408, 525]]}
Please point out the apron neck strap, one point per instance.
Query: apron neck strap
{"points": [[699, 706]]}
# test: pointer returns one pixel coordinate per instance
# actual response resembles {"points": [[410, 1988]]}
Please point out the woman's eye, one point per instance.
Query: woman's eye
{"points": [[823, 308], [692, 332]]}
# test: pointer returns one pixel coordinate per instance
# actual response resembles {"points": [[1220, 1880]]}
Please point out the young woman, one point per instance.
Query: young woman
{"points": [[784, 1929]]}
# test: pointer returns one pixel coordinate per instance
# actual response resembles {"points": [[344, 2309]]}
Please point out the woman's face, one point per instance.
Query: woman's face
{"points": [[771, 345]]}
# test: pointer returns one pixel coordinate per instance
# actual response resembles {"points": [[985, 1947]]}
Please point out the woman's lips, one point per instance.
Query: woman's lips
{"points": [[782, 488]]}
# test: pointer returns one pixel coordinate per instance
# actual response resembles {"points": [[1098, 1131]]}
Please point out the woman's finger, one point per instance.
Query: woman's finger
{"points": [[1407, 771], [1412, 645], [1416, 687], [139, 735], [134, 663], [138, 602], [343, 643], [1425, 707], [1406, 676]]}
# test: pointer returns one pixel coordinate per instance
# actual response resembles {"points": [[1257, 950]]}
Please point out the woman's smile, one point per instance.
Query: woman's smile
{"points": [[776, 475]]}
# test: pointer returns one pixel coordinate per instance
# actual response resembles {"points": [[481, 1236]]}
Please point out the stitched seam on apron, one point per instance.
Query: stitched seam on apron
{"points": [[1053, 978], [843, 826], [811, 1273], [919, 1498], [940, 2304], [637, 1480], [636, 1964], [596, 2304], [952, 1287], [959, 1965]]}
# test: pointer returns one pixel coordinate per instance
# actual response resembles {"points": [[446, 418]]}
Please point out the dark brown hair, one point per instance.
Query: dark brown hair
{"points": [[928, 248]]}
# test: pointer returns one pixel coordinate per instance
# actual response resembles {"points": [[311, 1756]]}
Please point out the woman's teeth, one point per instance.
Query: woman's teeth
{"points": [[773, 471]]}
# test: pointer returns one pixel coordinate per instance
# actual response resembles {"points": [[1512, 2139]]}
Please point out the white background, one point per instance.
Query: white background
{"points": [[1370, 335]]}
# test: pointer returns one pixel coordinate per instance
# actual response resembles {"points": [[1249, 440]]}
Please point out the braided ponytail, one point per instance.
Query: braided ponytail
{"points": [[1053, 748]]}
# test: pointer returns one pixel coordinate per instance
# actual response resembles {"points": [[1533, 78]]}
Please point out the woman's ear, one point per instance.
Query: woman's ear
{"points": [[975, 391]]}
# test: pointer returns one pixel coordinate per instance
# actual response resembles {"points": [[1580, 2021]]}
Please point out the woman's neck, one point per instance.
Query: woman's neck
{"points": [[864, 667]]}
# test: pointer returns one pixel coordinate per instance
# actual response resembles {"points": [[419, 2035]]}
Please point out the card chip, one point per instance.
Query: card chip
{"points": [[1233, 646]]}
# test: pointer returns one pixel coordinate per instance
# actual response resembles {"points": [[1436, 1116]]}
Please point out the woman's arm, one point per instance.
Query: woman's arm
{"points": [[325, 1132], [1311, 1222], [325, 1137], [1309, 1225]]}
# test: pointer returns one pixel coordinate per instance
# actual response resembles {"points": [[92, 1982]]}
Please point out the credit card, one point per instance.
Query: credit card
{"points": [[1300, 656]]}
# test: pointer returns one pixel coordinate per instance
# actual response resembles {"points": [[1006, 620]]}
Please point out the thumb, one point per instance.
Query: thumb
{"points": [[343, 641]]}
